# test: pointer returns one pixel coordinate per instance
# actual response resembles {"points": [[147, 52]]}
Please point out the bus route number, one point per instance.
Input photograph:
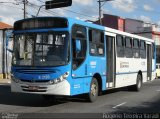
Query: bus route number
{"points": [[44, 77]]}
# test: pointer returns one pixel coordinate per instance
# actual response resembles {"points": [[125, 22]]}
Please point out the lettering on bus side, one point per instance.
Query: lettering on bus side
{"points": [[93, 64], [124, 64], [77, 86]]}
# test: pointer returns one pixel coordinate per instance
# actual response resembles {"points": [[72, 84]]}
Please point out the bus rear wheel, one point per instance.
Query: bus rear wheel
{"points": [[94, 89], [137, 87]]}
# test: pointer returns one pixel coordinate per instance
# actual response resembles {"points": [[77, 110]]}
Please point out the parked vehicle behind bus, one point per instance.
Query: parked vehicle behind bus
{"points": [[158, 70]]}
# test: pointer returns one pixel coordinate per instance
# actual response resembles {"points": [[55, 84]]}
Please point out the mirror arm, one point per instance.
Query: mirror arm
{"points": [[9, 50]]}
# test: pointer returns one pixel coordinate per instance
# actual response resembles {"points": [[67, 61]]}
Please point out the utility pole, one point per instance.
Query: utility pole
{"points": [[100, 12], [100, 9], [25, 3]]}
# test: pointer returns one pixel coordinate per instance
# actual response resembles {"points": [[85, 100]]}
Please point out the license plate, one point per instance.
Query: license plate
{"points": [[34, 88]]}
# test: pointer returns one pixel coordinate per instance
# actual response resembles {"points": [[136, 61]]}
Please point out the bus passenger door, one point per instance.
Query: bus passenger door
{"points": [[149, 62], [111, 61]]}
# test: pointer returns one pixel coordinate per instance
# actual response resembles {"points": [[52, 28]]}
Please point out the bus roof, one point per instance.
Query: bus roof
{"points": [[107, 29], [73, 21]]}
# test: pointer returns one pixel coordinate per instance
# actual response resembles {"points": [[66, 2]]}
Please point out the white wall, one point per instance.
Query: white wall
{"points": [[7, 57], [1, 49]]}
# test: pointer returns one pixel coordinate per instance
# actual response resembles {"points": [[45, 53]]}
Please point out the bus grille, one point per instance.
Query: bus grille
{"points": [[39, 89], [35, 81], [35, 71], [34, 90]]}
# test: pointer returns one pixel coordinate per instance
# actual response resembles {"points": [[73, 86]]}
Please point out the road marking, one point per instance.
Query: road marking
{"points": [[119, 105], [158, 90]]}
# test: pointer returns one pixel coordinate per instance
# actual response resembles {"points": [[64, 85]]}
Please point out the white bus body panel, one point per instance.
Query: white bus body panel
{"points": [[127, 70], [127, 75]]}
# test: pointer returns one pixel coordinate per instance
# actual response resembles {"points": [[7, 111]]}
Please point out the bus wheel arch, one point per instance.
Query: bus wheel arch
{"points": [[139, 82], [95, 88], [140, 73]]}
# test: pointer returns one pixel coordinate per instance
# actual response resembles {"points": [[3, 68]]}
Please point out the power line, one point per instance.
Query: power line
{"points": [[78, 13], [41, 1], [37, 7], [72, 11], [75, 12], [65, 10], [12, 6], [143, 11], [32, 5]]}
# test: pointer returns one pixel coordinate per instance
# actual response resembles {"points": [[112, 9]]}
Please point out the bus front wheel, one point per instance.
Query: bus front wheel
{"points": [[93, 94]]}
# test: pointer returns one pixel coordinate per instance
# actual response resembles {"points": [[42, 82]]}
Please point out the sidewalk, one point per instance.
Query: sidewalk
{"points": [[5, 81]]}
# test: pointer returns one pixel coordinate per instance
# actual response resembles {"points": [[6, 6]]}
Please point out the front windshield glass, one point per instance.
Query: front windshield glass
{"points": [[41, 49]]}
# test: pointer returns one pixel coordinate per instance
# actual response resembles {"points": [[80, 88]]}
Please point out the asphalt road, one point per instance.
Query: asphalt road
{"points": [[112, 101]]}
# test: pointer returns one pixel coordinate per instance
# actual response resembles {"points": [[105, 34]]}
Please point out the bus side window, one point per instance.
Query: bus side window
{"points": [[120, 46], [78, 32], [136, 53], [128, 47], [96, 43], [143, 49]]}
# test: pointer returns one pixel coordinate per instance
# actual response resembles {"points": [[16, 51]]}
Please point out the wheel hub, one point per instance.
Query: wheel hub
{"points": [[139, 82], [93, 89]]}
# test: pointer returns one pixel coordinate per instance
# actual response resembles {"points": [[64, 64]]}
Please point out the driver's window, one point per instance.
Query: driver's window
{"points": [[78, 33]]}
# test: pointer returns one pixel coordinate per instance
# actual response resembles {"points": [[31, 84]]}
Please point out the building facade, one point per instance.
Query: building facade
{"points": [[112, 21], [5, 57]]}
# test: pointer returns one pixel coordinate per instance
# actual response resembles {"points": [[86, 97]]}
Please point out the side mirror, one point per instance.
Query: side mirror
{"points": [[78, 45]]}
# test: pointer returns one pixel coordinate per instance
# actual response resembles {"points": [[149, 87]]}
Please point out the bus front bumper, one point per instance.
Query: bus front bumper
{"points": [[62, 88]]}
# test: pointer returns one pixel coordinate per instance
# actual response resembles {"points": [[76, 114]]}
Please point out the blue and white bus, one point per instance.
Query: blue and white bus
{"points": [[65, 56]]}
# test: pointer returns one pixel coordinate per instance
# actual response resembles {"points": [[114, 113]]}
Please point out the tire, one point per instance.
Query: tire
{"points": [[156, 76], [138, 85], [94, 89]]}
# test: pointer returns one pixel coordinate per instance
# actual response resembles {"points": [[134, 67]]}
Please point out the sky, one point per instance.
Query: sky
{"points": [[146, 10]]}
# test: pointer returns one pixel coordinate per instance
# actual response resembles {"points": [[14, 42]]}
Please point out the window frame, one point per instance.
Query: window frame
{"points": [[127, 38], [72, 50], [100, 42], [120, 46], [143, 49], [141, 45], [136, 39], [121, 39], [131, 42]]}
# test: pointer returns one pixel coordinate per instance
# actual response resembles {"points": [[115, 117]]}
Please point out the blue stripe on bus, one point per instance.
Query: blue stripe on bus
{"points": [[40, 30], [130, 72]]}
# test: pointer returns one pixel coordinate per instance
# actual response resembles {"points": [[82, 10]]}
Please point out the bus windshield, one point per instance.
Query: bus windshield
{"points": [[41, 49]]}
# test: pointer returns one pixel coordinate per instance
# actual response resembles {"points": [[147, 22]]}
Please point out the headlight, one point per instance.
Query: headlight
{"points": [[15, 79], [60, 79]]}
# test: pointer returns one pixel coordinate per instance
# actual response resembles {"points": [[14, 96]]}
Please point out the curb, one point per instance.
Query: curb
{"points": [[5, 81]]}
